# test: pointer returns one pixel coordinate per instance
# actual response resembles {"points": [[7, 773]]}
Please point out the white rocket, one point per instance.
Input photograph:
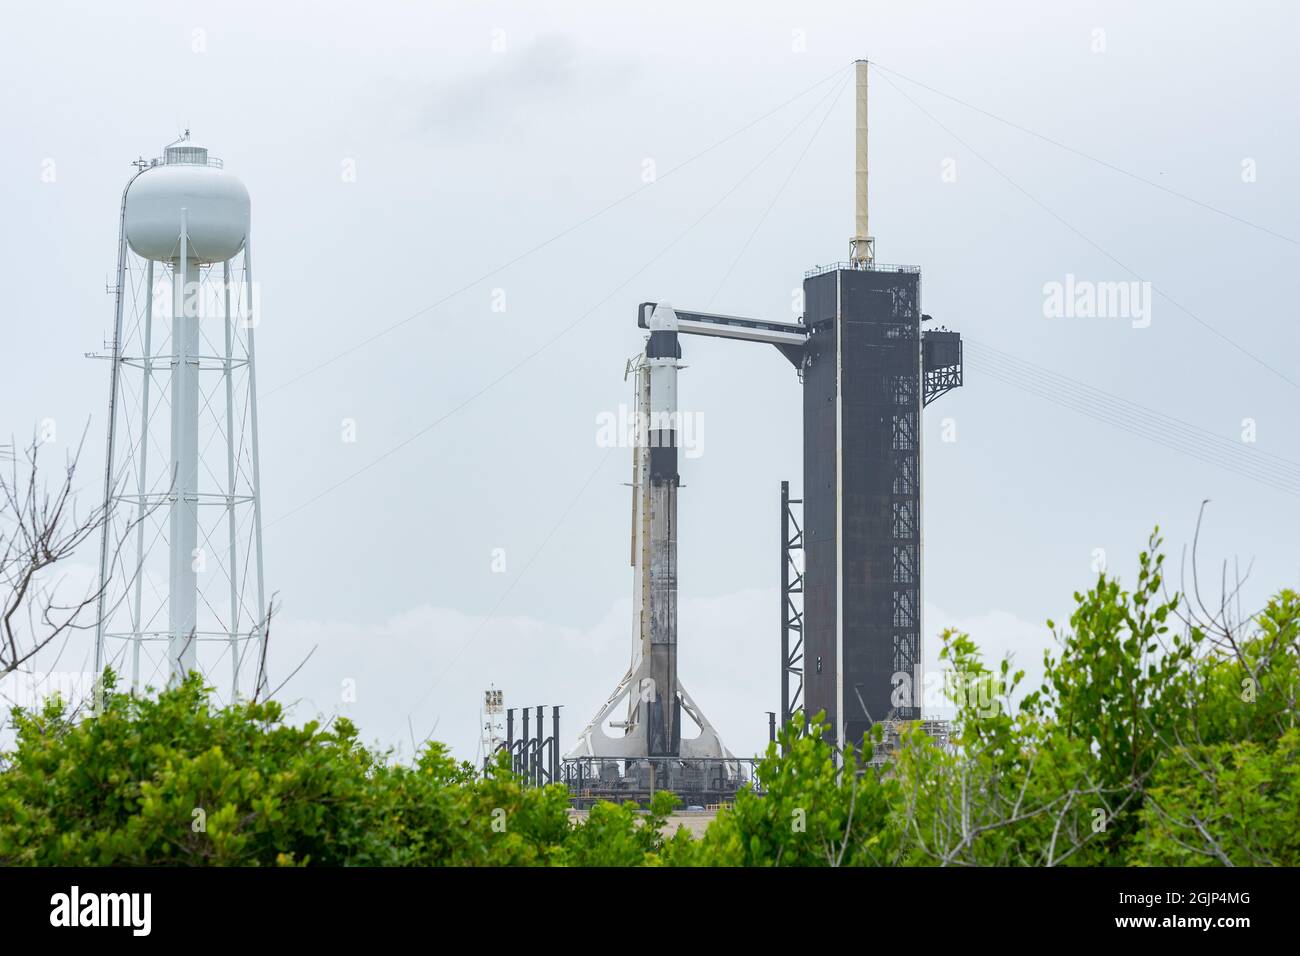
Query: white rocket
{"points": [[655, 698], [659, 585]]}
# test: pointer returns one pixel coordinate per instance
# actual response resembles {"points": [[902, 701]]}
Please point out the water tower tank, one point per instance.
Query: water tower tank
{"points": [[215, 204]]}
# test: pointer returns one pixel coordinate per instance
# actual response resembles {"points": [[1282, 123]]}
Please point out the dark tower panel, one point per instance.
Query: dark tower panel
{"points": [[820, 446], [862, 406]]}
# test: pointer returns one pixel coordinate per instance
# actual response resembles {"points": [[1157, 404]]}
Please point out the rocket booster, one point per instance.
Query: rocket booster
{"points": [[655, 700], [663, 727]]}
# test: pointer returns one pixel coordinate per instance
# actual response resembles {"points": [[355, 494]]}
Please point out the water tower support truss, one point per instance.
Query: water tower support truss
{"points": [[182, 578]]}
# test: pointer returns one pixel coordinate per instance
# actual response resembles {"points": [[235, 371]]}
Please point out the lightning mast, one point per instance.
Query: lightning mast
{"points": [[862, 248]]}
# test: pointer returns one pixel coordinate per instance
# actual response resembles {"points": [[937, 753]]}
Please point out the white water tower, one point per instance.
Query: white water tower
{"points": [[181, 555]]}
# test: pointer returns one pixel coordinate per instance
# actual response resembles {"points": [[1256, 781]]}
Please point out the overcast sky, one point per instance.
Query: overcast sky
{"points": [[479, 131]]}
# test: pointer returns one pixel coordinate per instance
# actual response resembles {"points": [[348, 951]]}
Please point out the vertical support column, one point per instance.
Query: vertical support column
{"points": [[263, 612], [541, 736], [183, 580], [233, 623], [106, 529], [918, 660], [792, 615], [525, 742], [142, 482], [839, 511], [784, 597], [556, 769]]}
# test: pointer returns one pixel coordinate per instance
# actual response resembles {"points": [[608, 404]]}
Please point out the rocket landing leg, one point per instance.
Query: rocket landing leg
{"points": [[595, 742]]}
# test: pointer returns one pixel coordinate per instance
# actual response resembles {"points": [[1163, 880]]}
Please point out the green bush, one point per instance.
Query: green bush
{"points": [[171, 780], [1149, 742]]}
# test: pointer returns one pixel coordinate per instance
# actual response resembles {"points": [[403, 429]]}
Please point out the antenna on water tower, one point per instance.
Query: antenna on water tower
{"points": [[181, 577]]}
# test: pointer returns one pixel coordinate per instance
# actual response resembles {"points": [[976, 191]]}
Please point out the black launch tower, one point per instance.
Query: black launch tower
{"points": [[869, 368]]}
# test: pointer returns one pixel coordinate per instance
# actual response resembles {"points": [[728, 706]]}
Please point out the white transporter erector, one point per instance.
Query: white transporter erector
{"points": [[181, 553]]}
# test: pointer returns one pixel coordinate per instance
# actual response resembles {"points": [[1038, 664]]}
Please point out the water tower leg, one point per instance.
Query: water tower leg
{"points": [[143, 482], [183, 580], [233, 556], [110, 457], [263, 612]]}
